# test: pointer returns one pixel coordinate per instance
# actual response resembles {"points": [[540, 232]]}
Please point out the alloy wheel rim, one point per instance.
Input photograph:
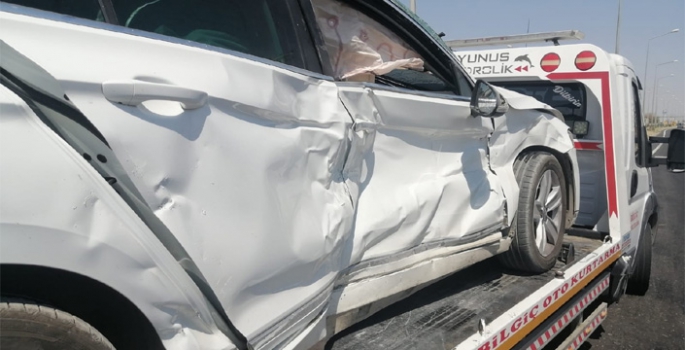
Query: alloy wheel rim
{"points": [[547, 212]]}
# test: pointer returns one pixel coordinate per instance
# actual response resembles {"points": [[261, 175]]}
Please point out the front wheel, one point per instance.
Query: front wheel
{"points": [[538, 228], [33, 326]]}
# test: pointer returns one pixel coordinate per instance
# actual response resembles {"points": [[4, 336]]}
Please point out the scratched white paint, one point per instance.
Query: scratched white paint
{"points": [[298, 197]]}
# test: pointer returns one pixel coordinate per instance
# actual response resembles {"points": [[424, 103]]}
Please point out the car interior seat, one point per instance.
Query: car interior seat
{"points": [[218, 23]]}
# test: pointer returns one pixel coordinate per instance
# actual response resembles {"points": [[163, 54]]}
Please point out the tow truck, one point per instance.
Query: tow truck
{"points": [[606, 253]]}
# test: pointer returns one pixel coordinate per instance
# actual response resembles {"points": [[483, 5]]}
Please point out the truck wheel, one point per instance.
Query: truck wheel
{"points": [[32, 326], [638, 284], [538, 228]]}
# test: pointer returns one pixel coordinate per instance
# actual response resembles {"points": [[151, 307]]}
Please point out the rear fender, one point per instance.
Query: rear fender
{"points": [[76, 222]]}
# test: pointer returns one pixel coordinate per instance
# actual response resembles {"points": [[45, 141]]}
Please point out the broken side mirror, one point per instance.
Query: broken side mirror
{"points": [[487, 102], [675, 155]]}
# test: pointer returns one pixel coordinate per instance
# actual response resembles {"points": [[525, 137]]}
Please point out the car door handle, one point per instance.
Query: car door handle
{"points": [[134, 92]]}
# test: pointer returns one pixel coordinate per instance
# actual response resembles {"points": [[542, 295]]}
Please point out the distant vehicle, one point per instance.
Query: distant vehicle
{"points": [[681, 125]]}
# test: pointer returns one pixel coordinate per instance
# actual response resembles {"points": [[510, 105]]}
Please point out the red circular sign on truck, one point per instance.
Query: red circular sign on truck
{"points": [[585, 60], [550, 62]]}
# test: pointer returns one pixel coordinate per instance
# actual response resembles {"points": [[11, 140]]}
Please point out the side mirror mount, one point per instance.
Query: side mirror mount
{"points": [[487, 102], [675, 155]]}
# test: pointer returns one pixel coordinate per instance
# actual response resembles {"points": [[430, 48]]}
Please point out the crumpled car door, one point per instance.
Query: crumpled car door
{"points": [[425, 178]]}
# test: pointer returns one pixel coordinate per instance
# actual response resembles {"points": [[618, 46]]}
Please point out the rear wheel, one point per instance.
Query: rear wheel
{"points": [[638, 284], [32, 326], [538, 228]]}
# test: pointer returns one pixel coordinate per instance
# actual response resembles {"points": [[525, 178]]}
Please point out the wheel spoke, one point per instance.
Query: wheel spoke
{"points": [[551, 231], [538, 211], [554, 199], [540, 236], [547, 207], [544, 186]]}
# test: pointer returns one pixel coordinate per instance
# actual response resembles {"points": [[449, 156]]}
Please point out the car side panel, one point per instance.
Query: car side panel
{"points": [[250, 182], [425, 178], [57, 211], [514, 133], [275, 186]]}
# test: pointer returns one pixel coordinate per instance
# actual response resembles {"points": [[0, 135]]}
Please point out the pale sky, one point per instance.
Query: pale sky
{"points": [[640, 21]]}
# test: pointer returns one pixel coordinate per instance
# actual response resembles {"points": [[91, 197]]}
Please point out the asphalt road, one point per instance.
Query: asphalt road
{"points": [[657, 320]]}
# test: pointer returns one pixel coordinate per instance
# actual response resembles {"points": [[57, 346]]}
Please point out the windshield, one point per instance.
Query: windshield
{"points": [[568, 98]]}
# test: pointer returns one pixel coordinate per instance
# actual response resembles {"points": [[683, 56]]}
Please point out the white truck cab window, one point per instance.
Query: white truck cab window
{"points": [[637, 123], [568, 98]]}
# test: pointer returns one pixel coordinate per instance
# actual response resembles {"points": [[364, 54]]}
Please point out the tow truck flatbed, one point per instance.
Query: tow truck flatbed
{"points": [[447, 313]]}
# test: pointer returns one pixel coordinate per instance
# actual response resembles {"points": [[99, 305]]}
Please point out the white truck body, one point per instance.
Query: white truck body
{"points": [[605, 96], [584, 83]]}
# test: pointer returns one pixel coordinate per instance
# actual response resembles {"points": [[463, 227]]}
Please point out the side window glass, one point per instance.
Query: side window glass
{"points": [[263, 28], [463, 83], [252, 27], [88, 9], [415, 80], [637, 124], [361, 49]]}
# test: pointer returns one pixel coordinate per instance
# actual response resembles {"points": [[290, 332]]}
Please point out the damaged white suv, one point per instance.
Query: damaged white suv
{"points": [[253, 174]]}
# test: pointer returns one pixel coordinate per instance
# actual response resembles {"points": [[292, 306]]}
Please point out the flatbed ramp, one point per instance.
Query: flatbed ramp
{"points": [[446, 313]]}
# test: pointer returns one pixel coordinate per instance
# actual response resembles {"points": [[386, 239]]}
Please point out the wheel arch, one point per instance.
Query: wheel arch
{"points": [[107, 275], [567, 167], [107, 310], [653, 220], [652, 214], [523, 131]]}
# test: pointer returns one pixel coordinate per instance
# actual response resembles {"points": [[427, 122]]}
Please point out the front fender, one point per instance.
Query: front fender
{"points": [[650, 211], [519, 130]]}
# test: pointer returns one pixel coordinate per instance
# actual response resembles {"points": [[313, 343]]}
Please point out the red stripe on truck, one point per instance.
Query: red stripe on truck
{"points": [[588, 145], [607, 129]]}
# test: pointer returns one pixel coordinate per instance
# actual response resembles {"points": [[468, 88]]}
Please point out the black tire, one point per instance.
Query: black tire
{"points": [[638, 284], [524, 254], [30, 326]]}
